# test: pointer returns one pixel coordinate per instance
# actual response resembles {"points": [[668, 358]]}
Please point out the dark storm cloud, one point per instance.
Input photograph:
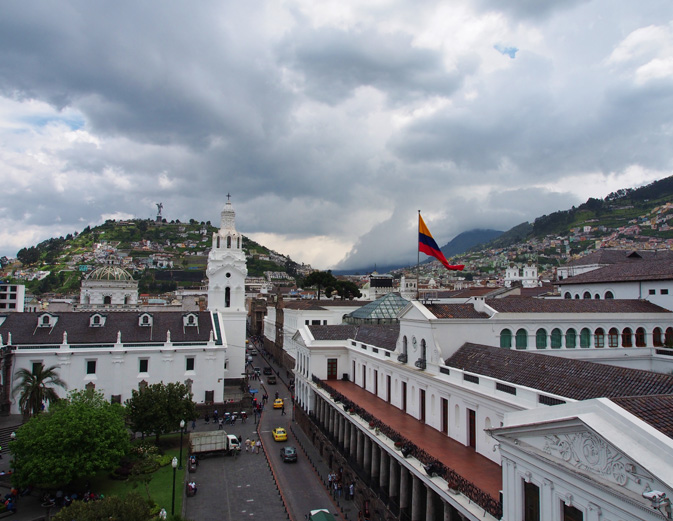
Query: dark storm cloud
{"points": [[336, 62], [332, 121]]}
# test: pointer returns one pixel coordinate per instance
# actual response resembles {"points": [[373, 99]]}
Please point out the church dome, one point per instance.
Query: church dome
{"points": [[110, 273]]}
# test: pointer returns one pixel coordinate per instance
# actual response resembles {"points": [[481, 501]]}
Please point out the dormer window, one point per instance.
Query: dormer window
{"points": [[145, 320], [190, 320], [97, 320], [46, 320]]}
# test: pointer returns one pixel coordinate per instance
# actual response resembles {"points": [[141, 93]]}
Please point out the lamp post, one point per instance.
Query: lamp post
{"points": [[182, 429], [174, 464], [13, 438]]}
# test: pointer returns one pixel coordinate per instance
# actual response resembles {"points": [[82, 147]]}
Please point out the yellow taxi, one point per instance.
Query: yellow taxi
{"points": [[279, 434], [278, 403]]}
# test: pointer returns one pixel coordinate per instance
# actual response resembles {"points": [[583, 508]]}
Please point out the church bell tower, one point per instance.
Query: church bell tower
{"points": [[226, 274]]}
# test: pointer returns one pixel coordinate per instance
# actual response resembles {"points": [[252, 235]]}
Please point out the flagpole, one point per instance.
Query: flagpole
{"points": [[418, 261]]}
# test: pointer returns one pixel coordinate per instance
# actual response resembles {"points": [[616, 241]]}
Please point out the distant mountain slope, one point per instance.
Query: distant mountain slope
{"points": [[466, 241]]}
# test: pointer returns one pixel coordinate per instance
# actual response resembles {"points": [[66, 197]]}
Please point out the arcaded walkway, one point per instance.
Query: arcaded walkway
{"points": [[474, 467]]}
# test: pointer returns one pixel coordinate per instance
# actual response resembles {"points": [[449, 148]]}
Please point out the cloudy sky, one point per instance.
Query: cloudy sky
{"points": [[331, 123]]}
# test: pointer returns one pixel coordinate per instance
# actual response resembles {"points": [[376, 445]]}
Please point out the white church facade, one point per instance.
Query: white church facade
{"points": [[114, 346]]}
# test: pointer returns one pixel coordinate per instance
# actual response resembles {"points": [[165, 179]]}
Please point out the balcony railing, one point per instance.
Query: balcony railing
{"points": [[456, 482]]}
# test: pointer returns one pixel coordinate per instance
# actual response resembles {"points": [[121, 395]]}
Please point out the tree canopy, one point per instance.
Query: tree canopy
{"points": [[36, 387], [130, 507], [345, 289], [76, 438], [320, 280], [158, 408]]}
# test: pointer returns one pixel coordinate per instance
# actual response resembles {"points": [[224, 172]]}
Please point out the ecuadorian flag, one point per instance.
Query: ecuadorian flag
{"points": [[427, 245]]}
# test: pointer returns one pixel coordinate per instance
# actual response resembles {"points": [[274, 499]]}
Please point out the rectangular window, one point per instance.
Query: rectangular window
{"points": [[189, 366], [531, 502], [315, 322], [90, 367], [144, 365], [664, 292], [653, 292], [306, 322], [36, 366]]}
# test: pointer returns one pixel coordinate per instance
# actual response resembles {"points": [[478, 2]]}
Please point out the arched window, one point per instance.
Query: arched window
{"points": [[597, 296], [627, 337], [668, 337], [424, 350], [609, 295], [613, 337], [571, 339], [640, 337], [238, 243], [599, 337], [45, 319], [227, 297], [657, 341], [585, 337], [556, 338], [586, 295], [405, 345], [107, 299], [96, 319], [218, 241], [567, 295], [228, 241], [577, 296], [521, 339], [506, 339], [541, 338], [146, 319]]}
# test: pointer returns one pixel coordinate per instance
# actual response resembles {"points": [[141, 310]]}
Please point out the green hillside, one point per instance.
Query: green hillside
{"points": [[136, 242]]}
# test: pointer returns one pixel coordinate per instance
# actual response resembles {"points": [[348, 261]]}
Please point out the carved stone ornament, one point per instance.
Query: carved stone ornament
{"points": [[588, 452]]}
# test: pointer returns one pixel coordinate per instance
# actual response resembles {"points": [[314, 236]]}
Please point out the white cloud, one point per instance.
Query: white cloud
{"points": [[330, 123]]}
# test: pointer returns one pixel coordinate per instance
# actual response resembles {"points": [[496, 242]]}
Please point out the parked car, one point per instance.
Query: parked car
{"points": [[279, 434], [288, 454], [252, 352], [278, 403], [271, 380], [268, 370]]}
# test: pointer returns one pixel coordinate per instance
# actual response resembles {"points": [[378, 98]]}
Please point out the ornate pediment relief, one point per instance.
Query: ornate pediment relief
{"points": [[587, 453]]}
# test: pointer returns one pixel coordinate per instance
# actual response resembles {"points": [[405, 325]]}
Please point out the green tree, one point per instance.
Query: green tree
{"points": [[320, 280], [76, 438], [130, 507], [36, 387], [158, 408], [28, 256], [347, 289]]}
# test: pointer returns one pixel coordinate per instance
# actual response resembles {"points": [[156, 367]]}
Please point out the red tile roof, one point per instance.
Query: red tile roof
{"points": [[657, 269], [24, 330], [655, 410], [574, 379], [535, 305], [383, 336], [455, 311]]}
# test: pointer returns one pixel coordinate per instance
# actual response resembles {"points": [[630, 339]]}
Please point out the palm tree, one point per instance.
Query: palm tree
{"points": [[36, 387]]}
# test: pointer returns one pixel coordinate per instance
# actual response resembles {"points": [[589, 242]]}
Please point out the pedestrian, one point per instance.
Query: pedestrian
{"points": [[329, 480], [220, 424], [247, 444], [207, 418], [244, 416], [215, 415], [258, 445], [282, 410], [193, 425], [351, 491]]}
